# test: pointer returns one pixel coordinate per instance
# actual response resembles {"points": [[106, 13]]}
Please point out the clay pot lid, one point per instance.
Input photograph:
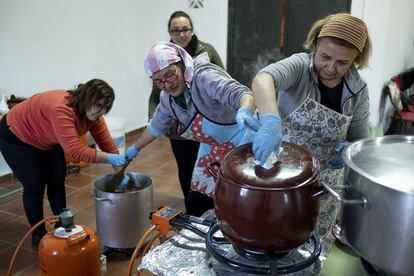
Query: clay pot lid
{"points": [[295, 167]]}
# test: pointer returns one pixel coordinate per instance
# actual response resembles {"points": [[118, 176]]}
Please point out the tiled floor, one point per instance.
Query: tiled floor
{"points": [[156, 160]]}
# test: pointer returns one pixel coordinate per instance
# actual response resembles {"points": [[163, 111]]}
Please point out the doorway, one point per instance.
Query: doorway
{"points": [[265, 31]]}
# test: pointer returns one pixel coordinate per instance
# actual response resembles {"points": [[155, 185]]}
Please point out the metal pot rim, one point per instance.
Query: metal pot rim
{"points": [[347, 156], [135, 175]]}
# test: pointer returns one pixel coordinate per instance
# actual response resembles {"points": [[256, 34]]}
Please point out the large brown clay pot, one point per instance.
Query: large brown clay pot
{"points": [[270, 211]]}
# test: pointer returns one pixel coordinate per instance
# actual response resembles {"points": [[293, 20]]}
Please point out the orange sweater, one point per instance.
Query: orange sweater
{"points": [[45, 120]]}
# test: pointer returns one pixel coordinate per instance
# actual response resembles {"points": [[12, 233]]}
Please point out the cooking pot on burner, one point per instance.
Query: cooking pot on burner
{"points": [[378, 201], [122, 214], [268, 211]]}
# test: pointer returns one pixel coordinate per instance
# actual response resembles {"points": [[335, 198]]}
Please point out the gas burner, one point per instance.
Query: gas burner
{"points": [[260, 263], [256, 255]]}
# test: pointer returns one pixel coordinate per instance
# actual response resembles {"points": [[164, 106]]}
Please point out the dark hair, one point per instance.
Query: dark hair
{"points": [[179, 14], [93, 92]]}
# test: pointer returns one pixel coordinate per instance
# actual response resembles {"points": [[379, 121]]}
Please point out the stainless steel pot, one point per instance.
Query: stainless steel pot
{"points": [[378, 202], [122, 215]]}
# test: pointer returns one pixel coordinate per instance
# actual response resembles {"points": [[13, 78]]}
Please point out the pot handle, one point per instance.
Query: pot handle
{"points": [[319, 191], [210, 168], [102, 199], [362, 201]]}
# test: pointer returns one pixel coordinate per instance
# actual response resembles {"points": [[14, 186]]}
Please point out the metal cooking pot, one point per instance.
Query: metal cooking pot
{"points": [[122, 215], [378, 202], [269, 211]]}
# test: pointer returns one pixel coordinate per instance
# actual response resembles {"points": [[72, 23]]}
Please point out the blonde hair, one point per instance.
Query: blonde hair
{"points": [[311, 43]]}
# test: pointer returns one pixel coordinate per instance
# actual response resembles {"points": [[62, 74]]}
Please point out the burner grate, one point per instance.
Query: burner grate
{"points": [[259, 256], [262, 263]]}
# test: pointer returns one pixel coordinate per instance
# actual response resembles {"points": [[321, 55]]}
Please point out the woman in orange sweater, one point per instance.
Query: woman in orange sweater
{"points": [[35, 134]]}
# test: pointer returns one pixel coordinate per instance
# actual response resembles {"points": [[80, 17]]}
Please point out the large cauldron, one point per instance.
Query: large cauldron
{"points": [[378, 202], [122, 214], [269, 211]]}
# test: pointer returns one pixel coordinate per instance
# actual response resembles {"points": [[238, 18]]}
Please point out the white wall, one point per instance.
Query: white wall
{"points": [[48, 44], [390, 24]]}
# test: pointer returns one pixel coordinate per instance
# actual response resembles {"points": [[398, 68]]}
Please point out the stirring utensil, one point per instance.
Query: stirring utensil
{"points": [[119, 176]]}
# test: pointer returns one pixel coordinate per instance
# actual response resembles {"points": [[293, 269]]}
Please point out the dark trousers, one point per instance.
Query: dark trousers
{"points": [[185, 152], [36, 169]]}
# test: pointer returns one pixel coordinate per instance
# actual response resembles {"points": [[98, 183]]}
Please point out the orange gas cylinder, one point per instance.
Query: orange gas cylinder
{"points": [[71, 253]]}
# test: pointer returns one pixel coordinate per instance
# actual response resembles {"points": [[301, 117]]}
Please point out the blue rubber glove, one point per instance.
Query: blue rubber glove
{"points": [[132, 152], [116, 160], [337, 162], [245, 118], [268, 138]]}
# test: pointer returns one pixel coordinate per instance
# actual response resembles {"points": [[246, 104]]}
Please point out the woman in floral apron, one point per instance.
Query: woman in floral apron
{"points": [[317, 100], [203, 99]]}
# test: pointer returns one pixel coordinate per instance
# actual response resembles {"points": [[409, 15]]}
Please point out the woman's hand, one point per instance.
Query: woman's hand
{"points": [[116, 160], [268, 138], [245, 118], [132, 152], [337, 162]]}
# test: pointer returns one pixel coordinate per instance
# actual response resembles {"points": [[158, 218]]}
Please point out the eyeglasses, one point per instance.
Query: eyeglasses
{"points": [[183, 31], [170, 76]]}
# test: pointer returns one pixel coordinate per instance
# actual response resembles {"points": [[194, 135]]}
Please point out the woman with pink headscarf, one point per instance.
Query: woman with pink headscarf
{"points": [[203, 99]]}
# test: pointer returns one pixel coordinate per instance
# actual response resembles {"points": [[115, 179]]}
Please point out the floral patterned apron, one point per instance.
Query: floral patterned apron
{"points": [[215, 142], [319, 129]]}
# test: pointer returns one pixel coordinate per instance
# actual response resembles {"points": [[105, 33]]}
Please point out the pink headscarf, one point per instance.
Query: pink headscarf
{"points": [[163, 54]]}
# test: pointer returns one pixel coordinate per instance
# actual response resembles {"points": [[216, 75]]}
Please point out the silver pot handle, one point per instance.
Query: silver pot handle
{"points": [[102, 199], [363, 201]]}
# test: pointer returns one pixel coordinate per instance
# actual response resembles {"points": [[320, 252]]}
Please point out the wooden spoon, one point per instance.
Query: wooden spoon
{"points": [[118, 176]]}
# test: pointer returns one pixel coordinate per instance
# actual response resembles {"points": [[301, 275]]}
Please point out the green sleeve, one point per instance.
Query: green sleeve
{"points": [[212, 53], [215, 58]]}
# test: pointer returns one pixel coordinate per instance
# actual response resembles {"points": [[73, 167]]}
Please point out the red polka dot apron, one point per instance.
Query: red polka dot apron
{"points": [[215, 142]]}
